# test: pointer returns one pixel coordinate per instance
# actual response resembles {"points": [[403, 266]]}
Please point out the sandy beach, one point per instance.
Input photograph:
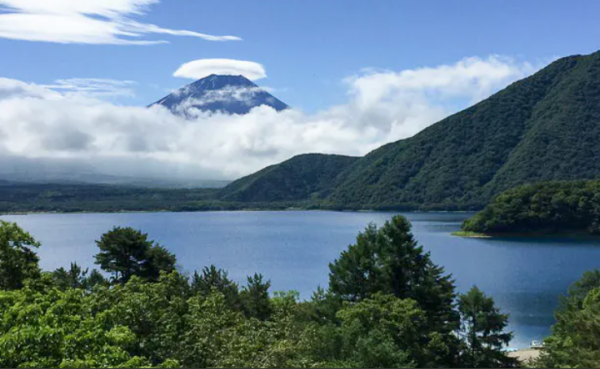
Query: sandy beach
{"points": [[525, 355]]}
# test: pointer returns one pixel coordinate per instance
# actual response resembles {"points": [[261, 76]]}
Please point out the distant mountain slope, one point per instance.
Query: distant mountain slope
{"points": [[300, 178], [220, 93], [562, 141], [544, 127]]}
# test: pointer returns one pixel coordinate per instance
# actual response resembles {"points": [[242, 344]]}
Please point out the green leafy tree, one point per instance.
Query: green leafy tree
{"points": [[54, 329], [18, 260], [273, 343], [483, 332], [153, 311], [574, 342], [382, 331], [210, 325], [324, 306], [126, 252]]}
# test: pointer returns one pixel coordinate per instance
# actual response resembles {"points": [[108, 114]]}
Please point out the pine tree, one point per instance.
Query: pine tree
{"points": [[482, 332], [388, 260]]}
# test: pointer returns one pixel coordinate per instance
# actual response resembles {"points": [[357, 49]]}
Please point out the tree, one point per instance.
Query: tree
{"points": [[158, 259], [53, 329], [18, 261], [482, 330], [213, 279], [76, 277], [126, 252], [579, 290], [382, 332], [94, 279], [73, 278], [389, 261], [574, 341], [255, 298], [163, 321]]}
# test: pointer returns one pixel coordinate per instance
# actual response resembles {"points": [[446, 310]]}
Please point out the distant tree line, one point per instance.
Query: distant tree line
{"points": [[387, 305], [559, 206]]}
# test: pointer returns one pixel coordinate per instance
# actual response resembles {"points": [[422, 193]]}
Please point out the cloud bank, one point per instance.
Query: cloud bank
{"points": [[205, 67], [38, 123], [85, 22], [98, 87]]}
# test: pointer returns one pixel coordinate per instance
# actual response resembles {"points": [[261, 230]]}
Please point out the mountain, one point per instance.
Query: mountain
{"points": [[220, 93], [544, 127], [300, 178], [73, 172]]}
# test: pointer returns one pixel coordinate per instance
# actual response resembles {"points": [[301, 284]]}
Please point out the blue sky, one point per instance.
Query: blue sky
{"points": [[308, 47]]}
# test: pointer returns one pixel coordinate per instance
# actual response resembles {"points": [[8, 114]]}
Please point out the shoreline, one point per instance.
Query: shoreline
{"points": [[236, 210], [467, 234], [525, 355], [515, 235]]}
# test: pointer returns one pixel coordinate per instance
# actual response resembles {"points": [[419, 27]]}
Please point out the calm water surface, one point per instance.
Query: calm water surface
{"points": [[293, 249]]}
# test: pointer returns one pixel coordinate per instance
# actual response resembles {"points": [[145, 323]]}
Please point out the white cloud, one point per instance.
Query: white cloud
{"points": [[472, 77], [14, 89], [403, 103], [98, 87], [205, 67], [85, 22], [38, 123]]}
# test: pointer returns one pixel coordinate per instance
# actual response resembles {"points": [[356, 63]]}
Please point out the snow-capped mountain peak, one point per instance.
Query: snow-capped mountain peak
{"points": [[220, 93]]}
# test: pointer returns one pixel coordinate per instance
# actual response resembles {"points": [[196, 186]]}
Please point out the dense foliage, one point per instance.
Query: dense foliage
{"points": [[544, 207], [396, 309]]}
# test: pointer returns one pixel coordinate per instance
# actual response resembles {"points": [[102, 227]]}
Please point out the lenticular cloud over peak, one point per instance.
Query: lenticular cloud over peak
{"points": [[201, 68]]}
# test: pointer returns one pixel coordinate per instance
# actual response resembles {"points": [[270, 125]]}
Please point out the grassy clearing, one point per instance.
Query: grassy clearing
{"points": [[468, 234]]}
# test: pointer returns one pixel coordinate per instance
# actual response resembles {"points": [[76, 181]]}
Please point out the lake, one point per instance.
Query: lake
{"points": [[293, 249]]}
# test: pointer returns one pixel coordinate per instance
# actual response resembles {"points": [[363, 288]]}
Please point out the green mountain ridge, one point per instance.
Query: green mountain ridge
{"points": [[544, 127], [303, 177]]}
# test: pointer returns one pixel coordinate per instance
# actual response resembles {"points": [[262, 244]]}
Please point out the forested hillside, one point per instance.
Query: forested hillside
{"points": [[28, 197], [545, 127], [304, 177]]}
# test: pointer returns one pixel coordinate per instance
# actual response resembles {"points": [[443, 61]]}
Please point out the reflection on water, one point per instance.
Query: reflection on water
{"points": [[293, 249]]}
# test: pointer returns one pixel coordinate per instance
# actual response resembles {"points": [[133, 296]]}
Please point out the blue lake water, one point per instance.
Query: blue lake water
{"points": [[525, 276]]}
